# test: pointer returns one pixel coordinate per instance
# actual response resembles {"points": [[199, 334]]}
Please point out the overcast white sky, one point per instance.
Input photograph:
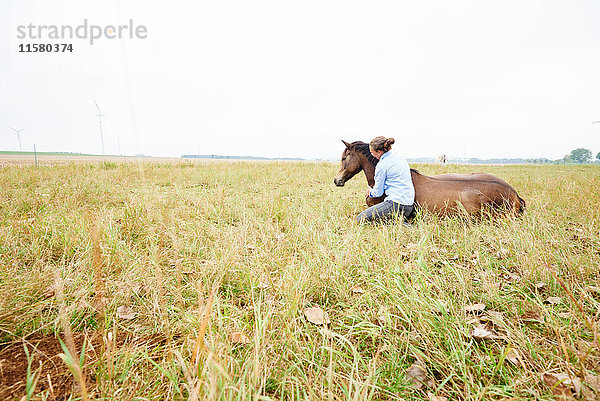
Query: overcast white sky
{"points": [[292, 78]]}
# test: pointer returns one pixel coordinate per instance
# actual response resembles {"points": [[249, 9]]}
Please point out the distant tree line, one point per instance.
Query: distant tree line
{"points": [[580, 155]]}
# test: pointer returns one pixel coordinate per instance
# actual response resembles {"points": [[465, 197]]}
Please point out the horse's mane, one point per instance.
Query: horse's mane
{"points": [[364, 149]]}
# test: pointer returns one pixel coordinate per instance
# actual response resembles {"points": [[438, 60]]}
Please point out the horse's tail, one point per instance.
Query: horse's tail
{"points": [[521, 205]]}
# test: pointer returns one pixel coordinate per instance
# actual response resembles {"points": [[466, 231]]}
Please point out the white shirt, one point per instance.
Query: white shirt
{"points": [[392, 177]]}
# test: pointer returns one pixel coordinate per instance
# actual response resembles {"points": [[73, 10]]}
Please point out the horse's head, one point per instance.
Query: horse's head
{"points": [[351, 165]]}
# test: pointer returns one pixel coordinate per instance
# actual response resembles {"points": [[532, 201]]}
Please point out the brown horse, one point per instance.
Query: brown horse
{"points": [[442, 194]]}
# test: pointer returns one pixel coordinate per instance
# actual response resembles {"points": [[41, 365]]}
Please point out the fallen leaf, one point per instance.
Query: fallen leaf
{"points": [[483, 332], [316, 315], [475, 308], [591, 389], [237, 337], [502, 253], [50, 291], [357, 290], [99, 303], [553, 300], [433, 397], [510, 277], [383, 317], [125, 312], [263, 285], [416, 374], [532, 316], [562, 385], [493, 317], [564, 315], [327, 333], [175, 263], [514, 356]]}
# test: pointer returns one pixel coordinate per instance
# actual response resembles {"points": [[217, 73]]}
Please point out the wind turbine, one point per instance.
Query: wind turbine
{"points": [[18, 131], [100, 116]]}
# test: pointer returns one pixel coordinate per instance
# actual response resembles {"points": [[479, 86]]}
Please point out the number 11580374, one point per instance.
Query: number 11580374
{"points": [[45, 48]]}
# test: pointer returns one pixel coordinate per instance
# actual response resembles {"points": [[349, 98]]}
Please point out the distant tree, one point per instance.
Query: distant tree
{"points": [[598, 156], [581, 155]]}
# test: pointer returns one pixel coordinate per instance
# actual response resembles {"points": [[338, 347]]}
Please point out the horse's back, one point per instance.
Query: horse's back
{"points": [[479, 176], [473, 192]]}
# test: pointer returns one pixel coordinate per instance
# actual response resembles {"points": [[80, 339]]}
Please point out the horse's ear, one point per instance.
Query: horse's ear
{"points": [[348, 145]]}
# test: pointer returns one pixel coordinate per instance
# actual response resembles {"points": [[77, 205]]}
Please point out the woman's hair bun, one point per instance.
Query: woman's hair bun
{"points": [[382, 143]]}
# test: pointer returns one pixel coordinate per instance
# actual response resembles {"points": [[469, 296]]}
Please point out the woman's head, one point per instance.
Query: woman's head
{"points": [[380, 145]]}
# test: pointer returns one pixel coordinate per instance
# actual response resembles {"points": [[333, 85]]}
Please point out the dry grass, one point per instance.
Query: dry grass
{"points": [[201, 251]]}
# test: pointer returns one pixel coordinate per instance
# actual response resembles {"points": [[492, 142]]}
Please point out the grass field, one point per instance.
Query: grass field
{"points": [[190, 281]]}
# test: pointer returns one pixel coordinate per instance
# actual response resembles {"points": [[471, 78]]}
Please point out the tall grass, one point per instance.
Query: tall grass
{"points": [[201, 251]]}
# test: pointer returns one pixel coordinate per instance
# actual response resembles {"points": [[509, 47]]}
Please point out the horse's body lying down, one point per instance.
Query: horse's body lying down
{"points": [[442, 194]]}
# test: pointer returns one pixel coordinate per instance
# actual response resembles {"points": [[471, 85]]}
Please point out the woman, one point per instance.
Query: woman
{"points": [[392, 177]]}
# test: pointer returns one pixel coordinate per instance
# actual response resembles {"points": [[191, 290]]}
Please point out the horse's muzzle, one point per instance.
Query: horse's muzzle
{"points": [[338, 182]]}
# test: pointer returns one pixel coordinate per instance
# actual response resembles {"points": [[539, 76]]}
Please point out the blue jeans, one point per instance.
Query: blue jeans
{"points": [[384, 212]]}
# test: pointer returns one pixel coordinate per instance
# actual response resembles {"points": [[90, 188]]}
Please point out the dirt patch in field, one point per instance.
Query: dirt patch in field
{"points": [[55, 375]]}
